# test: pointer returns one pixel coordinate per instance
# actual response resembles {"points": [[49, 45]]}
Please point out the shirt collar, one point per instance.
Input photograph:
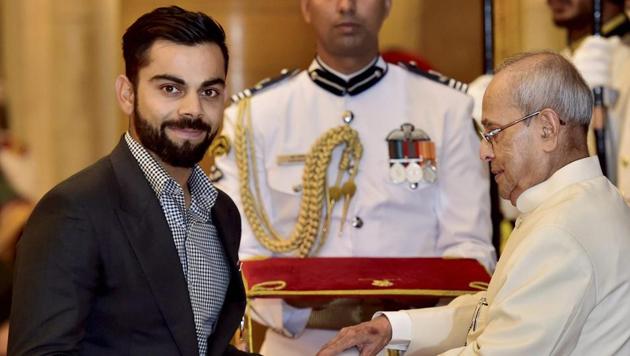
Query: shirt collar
{"points": [[574, 172], [153, 171], [352, 84], [201, 189]]}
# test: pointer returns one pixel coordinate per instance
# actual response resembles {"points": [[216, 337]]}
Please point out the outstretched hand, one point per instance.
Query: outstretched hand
{"points": [[369, 338]]}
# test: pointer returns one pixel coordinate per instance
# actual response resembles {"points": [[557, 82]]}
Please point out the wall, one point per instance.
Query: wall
{"points": [[60, 58]]}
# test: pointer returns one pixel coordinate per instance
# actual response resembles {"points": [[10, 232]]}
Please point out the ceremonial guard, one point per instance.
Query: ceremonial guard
{"points": [[603, 61], [378, 160]]}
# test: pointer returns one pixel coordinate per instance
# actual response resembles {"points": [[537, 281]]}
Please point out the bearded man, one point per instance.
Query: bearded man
{"points": [[137, 254]]}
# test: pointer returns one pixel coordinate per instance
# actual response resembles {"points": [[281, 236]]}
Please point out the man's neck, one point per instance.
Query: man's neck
{"points": [[349, 64], [569, 156]]}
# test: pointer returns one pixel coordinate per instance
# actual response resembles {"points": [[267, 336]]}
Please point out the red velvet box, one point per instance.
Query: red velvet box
{"points": [[410, 280]]}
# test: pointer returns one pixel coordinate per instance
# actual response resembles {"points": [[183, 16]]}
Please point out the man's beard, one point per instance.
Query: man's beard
{"points": [[156, 140]]}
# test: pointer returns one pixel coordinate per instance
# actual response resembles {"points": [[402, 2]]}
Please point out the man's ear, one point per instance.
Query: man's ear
{"points": [[549, 129], [388, 7], [125, 94], [306, 11]]}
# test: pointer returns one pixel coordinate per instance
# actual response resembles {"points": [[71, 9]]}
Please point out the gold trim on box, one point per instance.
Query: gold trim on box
{"points": [[482, 286], [277, 288], [269, 286], [349, 292]]}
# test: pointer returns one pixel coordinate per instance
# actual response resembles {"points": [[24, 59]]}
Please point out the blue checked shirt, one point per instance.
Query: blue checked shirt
{"points": [[199, 248]]}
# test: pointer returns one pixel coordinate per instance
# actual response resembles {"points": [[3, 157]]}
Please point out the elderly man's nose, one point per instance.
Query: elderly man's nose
{"points": [[486, 152]]}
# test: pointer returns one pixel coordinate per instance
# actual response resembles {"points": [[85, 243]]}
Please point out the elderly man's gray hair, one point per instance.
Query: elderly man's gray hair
{"points": [[549, 81]]}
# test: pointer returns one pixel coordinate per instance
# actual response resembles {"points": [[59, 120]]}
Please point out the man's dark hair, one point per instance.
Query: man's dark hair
{"points": [[172, 24]]}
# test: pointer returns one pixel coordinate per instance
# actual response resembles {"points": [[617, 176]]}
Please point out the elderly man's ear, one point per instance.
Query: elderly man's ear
{"points": [[549, 130]]}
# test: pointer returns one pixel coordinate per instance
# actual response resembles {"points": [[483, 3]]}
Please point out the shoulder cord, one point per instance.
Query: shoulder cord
{"points": [[315, 191]]}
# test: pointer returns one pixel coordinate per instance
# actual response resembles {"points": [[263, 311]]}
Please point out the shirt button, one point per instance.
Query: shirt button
{"points": [[625, 161], [347, 116], [357, 222]]}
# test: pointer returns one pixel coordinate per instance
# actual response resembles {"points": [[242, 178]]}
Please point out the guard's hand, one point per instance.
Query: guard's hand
{"points": [[593, 59], [369, 337]]}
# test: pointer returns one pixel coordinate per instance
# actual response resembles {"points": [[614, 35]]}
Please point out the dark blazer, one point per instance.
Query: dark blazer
{"points": [[97, 271]]}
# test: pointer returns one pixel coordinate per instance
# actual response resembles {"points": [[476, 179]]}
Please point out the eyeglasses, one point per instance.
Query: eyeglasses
{"points": [[490, 135]]}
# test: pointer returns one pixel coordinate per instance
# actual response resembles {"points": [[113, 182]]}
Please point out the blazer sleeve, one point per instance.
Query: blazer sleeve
{"points": [[233, 351], [56, 274]]}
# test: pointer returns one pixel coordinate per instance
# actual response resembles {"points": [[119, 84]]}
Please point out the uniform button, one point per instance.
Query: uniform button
{"points": [[347, 116], [625, 161], [357, 222]]}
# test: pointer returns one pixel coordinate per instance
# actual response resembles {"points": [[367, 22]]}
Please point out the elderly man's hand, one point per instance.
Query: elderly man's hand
{"points": [[369, 337]]}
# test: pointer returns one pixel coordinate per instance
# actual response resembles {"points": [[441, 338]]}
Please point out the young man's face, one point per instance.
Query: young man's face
{"points": [[179, 101], [346, 27]]}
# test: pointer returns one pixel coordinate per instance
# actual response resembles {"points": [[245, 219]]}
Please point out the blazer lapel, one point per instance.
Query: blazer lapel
{"points": [[225, 217], [146, 228]]}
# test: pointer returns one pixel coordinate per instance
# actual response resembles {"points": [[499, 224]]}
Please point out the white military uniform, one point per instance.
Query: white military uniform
{"points": [[618, 103], [449, 217], [621, 110], [560, 288]]}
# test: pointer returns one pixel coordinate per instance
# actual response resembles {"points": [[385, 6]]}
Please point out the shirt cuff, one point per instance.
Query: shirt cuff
{"points": [[294, 319], [401, 329]]}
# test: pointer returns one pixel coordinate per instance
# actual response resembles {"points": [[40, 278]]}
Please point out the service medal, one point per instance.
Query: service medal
{"points": [[411, 156]]}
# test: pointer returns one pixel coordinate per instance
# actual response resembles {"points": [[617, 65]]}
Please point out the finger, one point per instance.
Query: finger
{"points": [[371, 349], [347, 338]]}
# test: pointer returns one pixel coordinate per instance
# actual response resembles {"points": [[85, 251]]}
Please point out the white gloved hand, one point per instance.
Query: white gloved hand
{"points": [[476, 89], [593, 59]]}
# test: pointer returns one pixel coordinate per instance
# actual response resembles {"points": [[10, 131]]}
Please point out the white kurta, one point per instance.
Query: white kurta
{"points": [[562, 286], [449, 217]]}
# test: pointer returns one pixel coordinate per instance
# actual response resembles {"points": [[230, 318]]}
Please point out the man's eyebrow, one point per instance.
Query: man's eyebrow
{"points": [[180, 81], [211, 82], [168, 77], [486, 123]]}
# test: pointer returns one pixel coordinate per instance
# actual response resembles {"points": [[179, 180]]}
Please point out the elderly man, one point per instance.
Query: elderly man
{"points": [[562, 285]]}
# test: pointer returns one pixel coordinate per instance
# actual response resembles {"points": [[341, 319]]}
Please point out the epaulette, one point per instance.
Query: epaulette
{"points": [[435, 76], [264, 84]]}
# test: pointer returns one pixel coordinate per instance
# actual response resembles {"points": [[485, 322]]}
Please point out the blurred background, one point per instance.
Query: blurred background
{"points": [[59, 59]]}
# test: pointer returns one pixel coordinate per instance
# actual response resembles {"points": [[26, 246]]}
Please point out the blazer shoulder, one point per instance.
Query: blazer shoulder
{"points": [[87, 181]]}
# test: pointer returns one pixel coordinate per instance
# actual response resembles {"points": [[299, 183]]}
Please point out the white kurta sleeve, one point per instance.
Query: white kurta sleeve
{"points": [[548, 292], [435, 330]]}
